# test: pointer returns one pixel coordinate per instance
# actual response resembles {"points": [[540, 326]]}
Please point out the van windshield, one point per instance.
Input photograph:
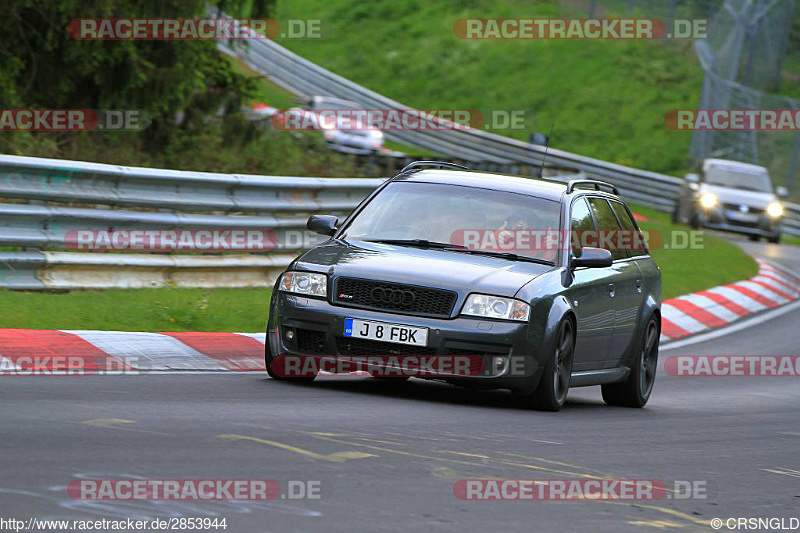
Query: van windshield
{"points": [[738, 180]]}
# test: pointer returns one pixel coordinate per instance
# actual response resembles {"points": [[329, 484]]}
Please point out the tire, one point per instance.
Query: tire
{"points": [[694, 221], [636, 390], [774, 240], [553, 387], [675, 218], [273, 375]]}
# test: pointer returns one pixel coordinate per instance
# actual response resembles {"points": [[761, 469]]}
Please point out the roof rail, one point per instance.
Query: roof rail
{"points": [[432, 164], [571, 184]]}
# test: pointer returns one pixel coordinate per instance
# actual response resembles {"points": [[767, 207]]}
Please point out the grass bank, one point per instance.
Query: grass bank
{"points": [[606, 99]]}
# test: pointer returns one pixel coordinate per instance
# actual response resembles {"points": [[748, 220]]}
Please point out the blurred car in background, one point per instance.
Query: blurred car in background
{"points": [[319, 113], [352, 141], [732, 196], [260, 111], [338, 137]]}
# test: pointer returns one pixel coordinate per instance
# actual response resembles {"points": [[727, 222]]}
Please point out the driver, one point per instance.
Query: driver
{"points": [[517, 220], [538, 245]]}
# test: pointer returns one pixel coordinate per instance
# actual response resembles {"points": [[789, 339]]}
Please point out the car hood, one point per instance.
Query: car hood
{"points": [[728, 195], [415, 266]]}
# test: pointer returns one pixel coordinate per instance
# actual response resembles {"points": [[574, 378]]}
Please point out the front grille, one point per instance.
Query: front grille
{"points": [[409, 299], [350, 346], [310, 341], [743, 223], [750, 209]]}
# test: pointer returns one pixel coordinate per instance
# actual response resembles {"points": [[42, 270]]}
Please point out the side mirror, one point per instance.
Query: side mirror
{"points": [[592, 258], [322, 224], [692, 178], [781, 192]]}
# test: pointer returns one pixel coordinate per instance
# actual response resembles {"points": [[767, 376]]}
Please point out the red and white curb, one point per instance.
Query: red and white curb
{"points": [[27, 351], [713, 308]]}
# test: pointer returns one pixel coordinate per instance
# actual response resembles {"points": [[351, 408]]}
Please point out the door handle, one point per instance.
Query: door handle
{"points": [[611, 290], [639, 285]]}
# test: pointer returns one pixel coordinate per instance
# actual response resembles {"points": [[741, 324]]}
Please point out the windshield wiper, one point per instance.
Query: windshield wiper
{"points": [[504, 255], [419, 243], [422, 243]]}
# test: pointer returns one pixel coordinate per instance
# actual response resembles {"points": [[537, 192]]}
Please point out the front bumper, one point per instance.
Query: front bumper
{"points": [[719, 218], [323, 322]]}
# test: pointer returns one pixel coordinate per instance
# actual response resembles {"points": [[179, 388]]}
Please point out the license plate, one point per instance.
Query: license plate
{"points": [[383, 331], [742, 217]]}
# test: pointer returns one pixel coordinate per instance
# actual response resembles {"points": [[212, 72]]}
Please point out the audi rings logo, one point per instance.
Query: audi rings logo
{"points": [[392, 296]]}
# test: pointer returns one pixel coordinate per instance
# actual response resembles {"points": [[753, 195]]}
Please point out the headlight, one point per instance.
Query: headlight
{"points": [[775, 210], [305, 283], [486, 306], [708, 200]]}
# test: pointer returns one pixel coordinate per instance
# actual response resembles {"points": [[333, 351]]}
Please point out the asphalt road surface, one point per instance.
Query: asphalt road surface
{"points": [[387, 456]]}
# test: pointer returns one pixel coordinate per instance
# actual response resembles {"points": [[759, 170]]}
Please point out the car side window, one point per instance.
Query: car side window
{"points": [[608, 228], [633, 240], [581, 223]]}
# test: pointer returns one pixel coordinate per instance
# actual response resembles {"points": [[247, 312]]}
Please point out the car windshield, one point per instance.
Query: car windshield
{"points": [[738, 180], [460, 216]]}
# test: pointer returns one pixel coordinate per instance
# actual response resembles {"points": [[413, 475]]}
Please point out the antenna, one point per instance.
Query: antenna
{"points": [[546, 147]]}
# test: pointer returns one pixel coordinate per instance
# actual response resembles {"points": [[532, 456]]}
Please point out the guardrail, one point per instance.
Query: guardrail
{"points": [[75, 270], [61, 197], [31, 178], [304, 78]]}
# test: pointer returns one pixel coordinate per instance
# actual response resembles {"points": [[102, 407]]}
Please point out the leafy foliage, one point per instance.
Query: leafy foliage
{"points": [[177, 83]]}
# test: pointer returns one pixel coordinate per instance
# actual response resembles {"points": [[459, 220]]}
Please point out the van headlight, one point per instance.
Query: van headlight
{"points": [[708, 200], [306, 283], [775, 210], [486, 306]]}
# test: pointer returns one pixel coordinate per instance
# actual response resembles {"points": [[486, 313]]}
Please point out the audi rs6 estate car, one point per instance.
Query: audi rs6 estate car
{"points": [[420, 269]]}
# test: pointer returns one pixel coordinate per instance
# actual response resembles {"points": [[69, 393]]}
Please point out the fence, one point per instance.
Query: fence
{"points": [[742, 56]]}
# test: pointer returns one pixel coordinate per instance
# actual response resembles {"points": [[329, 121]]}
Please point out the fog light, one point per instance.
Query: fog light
{"points": [[288, 334], [498, 362]]}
